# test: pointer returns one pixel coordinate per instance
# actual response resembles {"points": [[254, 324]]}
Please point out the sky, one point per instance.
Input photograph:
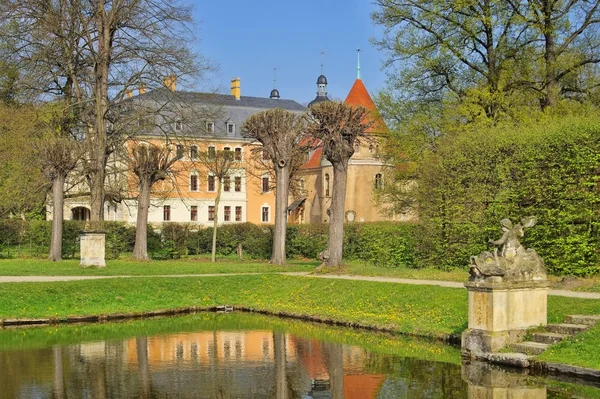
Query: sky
{"points": [[248, 38]]}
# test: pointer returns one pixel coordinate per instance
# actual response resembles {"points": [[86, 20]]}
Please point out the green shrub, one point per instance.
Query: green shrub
{"points": [[477, 178]]}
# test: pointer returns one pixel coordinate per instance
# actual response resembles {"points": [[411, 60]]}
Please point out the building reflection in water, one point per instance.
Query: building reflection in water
{"points": [[244, 364]]}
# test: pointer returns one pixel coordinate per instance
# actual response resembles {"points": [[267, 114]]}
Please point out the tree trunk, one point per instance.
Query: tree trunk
{"points": [[335, 368], [141, 345], [552, 89], [58, 197], [282, 176], [216, 221], [281, 391], [59, 375], [99, 142], [140, 250], [336, 221]]}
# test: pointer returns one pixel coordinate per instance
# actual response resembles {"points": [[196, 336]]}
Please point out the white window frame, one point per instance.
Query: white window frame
{"points": [[194, 173], [208, 183], [210, 127], [262, 207], [178, 125], [241, 154], [232, 126], [197, 152]]}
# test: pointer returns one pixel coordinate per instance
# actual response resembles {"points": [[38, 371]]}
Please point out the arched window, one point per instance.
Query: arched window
{"points": [[356, 147], [378, 181], [327, 184]]}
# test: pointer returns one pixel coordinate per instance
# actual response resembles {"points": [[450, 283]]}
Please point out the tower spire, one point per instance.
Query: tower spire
{"points": [[322, 55], [274, 93], [358, 65]]}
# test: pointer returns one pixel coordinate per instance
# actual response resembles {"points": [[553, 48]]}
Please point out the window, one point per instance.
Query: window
{"points": [[230, 127], [378, 181], [194, 213], [226, 148], [265, 214], [371, 148], [238, 154], [238, 213], [167, 213], [227, 214], [178, 125], [238, 184], [194, 152], [356, 147], [301, 185], [210, 127], [211, 183], [265, 156], [211, 213], [212, 152], [226, 183], [265, 184], [327, 184], [194, 181], [180, 151]]}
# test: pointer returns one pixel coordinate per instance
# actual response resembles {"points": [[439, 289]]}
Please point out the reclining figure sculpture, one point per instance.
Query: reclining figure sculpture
{"points": [[514, 262]]}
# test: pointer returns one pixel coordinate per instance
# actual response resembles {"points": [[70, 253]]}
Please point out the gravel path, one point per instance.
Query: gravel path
{"points": [[448, 284]]}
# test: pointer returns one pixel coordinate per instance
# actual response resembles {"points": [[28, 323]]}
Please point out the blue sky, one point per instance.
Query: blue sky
{"points": [[249, 38]]}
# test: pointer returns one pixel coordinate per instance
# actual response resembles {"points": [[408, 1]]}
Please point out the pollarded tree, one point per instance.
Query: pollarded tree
{"points": [[338, 126], [218, 165], [91, 54], [279, 131], [58, 157], [149, 163]]}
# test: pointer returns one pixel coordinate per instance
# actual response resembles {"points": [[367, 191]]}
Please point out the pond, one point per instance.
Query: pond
{"points": [[247, 356]]}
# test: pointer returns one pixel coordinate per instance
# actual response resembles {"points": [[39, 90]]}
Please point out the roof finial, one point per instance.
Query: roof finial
{"points": [[322, 55], [358, 67], [275, 77]]}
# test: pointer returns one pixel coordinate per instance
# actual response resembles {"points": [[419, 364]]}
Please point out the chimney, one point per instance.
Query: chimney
{"points": [[236, 91], [142, 88], [170, 82], [129, 93]]}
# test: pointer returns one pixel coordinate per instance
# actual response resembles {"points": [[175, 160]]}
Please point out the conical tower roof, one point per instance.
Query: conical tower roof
{"points": [[359, 96]]}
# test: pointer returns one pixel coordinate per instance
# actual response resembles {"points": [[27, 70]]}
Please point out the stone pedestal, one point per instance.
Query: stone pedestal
{"points": [[488, 382], [500, 313], [92, 247]]}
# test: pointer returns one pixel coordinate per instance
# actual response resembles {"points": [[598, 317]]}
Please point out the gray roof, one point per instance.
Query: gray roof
{"points": [[224, 100], [225, 110]]}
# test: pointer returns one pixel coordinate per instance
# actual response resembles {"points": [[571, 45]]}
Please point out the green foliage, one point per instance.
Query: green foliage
{"points": [[478, 177], [383, 244]]}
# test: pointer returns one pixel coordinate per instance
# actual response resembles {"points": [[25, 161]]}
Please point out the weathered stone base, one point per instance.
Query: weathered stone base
{"points": [[92, 247], [500, 313], [476, 342], [486, 382]]}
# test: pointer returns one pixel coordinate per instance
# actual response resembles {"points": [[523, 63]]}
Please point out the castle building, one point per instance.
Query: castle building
{"points": [[365, 169], [207, 122]]}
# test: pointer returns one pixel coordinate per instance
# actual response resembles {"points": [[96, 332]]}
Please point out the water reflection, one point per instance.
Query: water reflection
{"points": [[246, 364]]}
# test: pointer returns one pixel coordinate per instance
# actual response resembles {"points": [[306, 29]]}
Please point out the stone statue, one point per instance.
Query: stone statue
{"points": [[514, 262]]}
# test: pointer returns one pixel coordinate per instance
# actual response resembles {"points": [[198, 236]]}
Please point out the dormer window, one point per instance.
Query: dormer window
{"points": [[230, 127], [178, 125], [210, 127]]}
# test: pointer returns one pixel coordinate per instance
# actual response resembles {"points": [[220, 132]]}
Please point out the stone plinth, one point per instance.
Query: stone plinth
{"points": [[500, 312], [92, 246], [489, 382]]}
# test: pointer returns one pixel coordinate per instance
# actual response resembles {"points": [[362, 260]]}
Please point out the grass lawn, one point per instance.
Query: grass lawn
{"points": [[422, 310], [122, 267]]}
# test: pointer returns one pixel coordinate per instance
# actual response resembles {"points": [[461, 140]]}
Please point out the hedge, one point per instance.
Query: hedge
{"points": [[386, 244], [476, 178]]}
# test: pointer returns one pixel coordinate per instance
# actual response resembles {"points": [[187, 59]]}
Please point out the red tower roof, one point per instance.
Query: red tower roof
{"points": [[360, 96]]}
